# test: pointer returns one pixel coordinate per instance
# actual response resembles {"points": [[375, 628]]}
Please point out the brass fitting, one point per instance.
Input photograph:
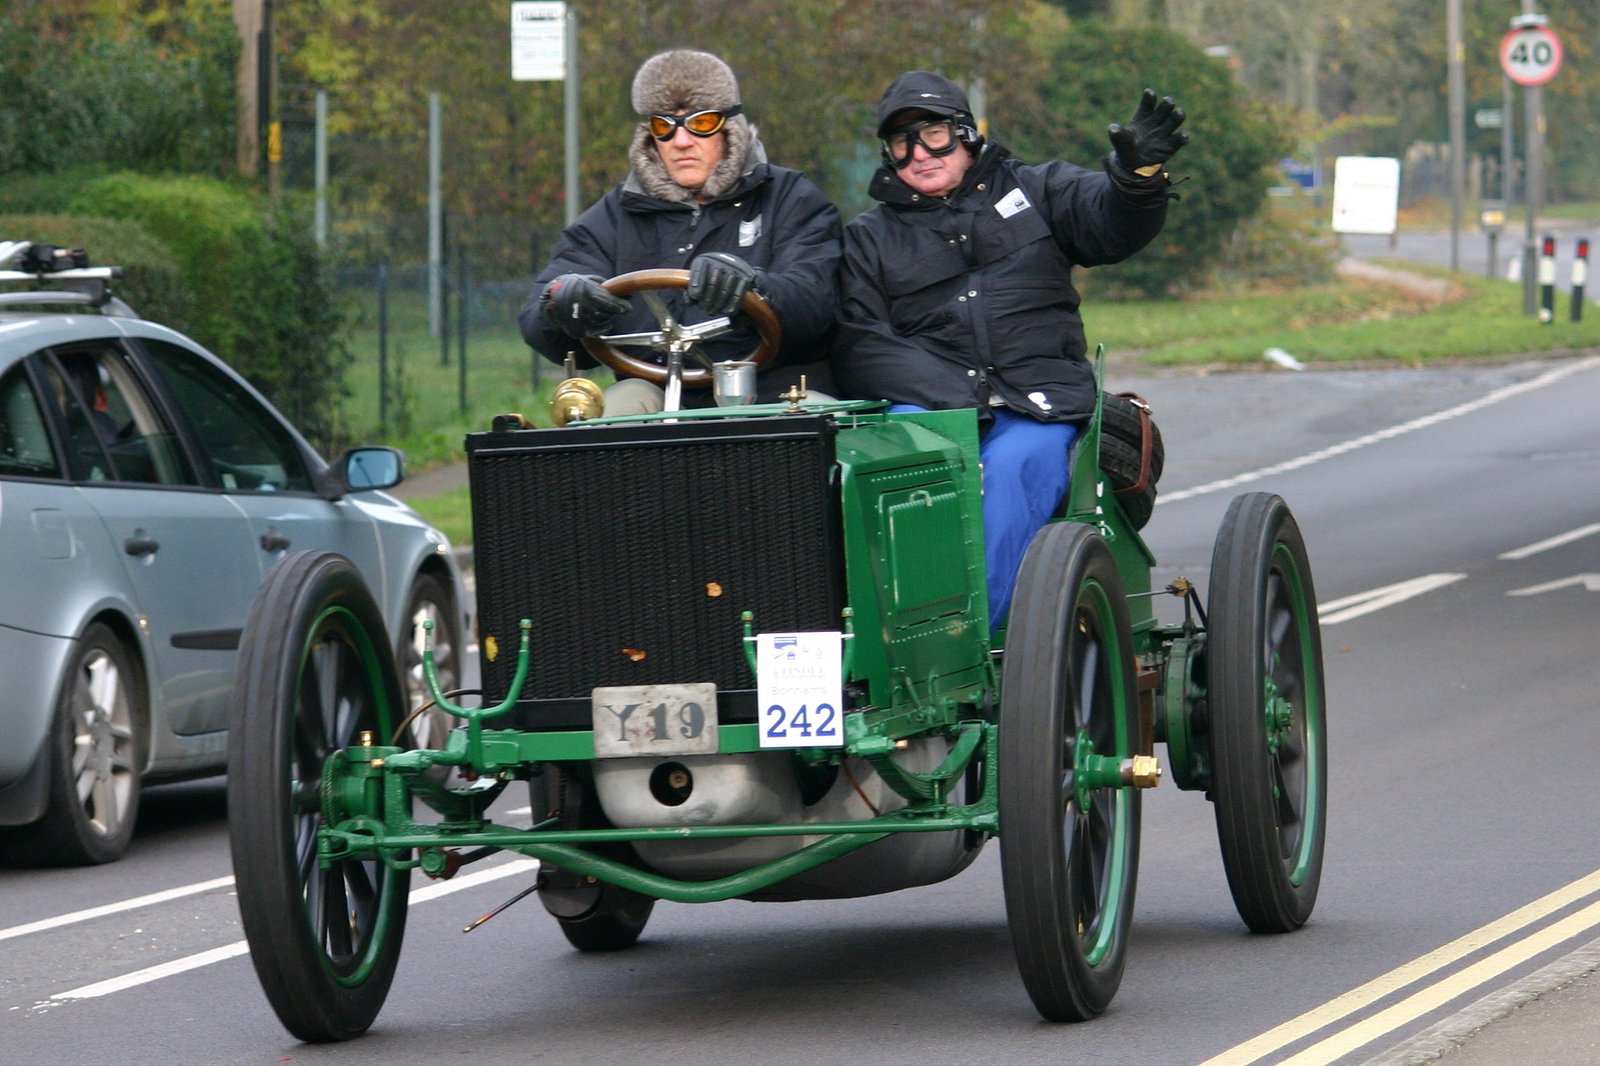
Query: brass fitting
{"points": [[576, 400], [795, 395], [1141, 771]]}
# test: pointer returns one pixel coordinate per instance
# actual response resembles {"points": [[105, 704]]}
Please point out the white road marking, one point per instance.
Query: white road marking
{"points": [[1342, 610], [1588, 581], [1503, 393], [240, 947], [116, 908], [1554, 542], [150, 973]]}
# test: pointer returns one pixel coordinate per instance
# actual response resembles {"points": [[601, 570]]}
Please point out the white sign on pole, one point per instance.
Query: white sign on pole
{"points": [[1530, 55], [538, 40], [1366, 194]]}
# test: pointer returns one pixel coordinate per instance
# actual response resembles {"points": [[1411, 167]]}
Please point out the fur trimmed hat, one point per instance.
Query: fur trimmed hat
{"points": [[688, 80]]}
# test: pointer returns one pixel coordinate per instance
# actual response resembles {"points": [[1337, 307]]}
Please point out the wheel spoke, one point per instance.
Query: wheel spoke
{"points": [[1080, 879], [1287, 801], [362, 882], [305, 849], [1087, 674], [335, 917], [83, 763], [658, 308], [656, 340], [105, 813], [330, 693], [1100, 818], [350, 700], [310, 741], [105, 683]]}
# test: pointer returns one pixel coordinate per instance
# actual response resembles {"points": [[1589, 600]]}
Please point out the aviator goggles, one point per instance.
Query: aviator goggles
{"points": [[936, 135], [701, 123]]}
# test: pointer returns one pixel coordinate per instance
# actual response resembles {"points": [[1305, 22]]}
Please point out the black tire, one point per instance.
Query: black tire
{"points": [[97, 748], [616, 922], [1120, 420], [1120, 461], [316, 669], [1264, 657], [430, 601], [1069, 855]]}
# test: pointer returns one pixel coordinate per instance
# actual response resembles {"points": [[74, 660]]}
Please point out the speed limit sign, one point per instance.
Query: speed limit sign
{"points": [[1530, 55]]}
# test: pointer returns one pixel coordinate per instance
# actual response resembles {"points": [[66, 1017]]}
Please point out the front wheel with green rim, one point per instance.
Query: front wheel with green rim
{"points": [[1069, 831], [1268, 728], [316, 670]]}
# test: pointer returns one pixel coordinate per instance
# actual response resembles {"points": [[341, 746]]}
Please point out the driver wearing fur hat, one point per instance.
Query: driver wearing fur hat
{"points": [[700, 195]]}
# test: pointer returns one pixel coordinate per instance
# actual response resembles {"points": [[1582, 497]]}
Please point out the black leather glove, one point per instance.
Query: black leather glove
{"points": [[1151, 136], [718, 281], [580, 305]]}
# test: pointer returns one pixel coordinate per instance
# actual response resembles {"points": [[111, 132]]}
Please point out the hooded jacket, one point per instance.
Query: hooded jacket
{"points": [[772, 217], [967, 300]]}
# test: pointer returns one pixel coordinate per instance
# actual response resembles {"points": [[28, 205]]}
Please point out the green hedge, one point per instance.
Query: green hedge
{"points": [[256, 283], [154, 284]]}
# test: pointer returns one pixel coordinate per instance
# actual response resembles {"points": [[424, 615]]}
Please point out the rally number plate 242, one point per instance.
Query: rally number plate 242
{"points": [[634, 720]]}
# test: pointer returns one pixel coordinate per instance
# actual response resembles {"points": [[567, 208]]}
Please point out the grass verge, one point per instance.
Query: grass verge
{"points": [[1349, 322]]}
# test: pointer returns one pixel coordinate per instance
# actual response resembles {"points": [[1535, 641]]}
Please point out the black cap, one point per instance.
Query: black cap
{"points": [[922, 90]]}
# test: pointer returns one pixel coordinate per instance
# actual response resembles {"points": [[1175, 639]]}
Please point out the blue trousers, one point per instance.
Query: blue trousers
{"points": [[1025, 474]]}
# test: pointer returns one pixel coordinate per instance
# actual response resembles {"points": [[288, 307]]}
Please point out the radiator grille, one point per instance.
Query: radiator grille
{"points": [[633, 549]]}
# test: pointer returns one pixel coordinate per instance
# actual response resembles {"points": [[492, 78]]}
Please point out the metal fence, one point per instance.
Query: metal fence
{"points": [[431, 344]]}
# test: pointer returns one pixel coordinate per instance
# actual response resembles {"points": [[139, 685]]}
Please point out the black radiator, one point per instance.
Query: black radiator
{"points": [[633, 549]]}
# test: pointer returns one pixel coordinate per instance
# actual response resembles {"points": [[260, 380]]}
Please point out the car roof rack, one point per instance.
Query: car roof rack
{"points": [[77, 282]]}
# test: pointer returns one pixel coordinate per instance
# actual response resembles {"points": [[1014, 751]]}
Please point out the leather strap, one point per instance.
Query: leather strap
{"points": [[1141, 405]]}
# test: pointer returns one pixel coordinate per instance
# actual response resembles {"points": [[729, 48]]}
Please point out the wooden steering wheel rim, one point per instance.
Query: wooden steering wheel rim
{"points": [[760, 312]]}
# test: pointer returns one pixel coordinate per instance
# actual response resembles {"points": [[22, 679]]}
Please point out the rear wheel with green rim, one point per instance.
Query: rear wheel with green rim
{"points": [[1268, 729]]}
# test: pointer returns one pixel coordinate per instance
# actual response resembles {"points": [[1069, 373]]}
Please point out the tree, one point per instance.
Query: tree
{"points": [[106, 84], [1095, 75], [809, 70]]}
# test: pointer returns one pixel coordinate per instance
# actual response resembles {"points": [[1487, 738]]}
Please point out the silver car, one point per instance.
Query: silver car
{"points": [[145, 489]]}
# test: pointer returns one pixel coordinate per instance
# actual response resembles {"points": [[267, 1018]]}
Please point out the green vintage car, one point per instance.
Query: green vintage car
{"points": [[744, 651]]}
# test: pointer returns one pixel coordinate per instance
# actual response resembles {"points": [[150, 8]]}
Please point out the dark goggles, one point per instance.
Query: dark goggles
{"points": [[701, 123], [936, 135]]}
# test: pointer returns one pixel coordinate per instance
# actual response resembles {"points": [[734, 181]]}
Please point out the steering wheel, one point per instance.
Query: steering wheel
{"points": [[674, 339]]}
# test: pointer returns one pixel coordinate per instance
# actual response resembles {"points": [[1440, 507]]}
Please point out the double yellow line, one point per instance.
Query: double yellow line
{"points": [[1341, 1043]]}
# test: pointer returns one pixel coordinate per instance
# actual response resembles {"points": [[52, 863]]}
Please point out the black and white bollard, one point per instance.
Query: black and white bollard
{"points": [[1580, 274], [1547, 279]]}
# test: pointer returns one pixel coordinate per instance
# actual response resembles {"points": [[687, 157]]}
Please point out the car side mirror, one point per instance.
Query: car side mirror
{"points": [[372, 468]]}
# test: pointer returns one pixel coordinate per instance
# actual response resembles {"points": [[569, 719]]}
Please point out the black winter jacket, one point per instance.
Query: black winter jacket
{"points": [[952, 302], [774, 218]]}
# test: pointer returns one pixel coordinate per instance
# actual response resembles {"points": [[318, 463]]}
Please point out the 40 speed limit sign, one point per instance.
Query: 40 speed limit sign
{"points": [[1530, 55]]}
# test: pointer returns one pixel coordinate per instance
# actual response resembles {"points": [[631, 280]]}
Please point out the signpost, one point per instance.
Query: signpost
{"points": [[544, 47], [1530, 55], [538, 41], [1366, 194]]}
